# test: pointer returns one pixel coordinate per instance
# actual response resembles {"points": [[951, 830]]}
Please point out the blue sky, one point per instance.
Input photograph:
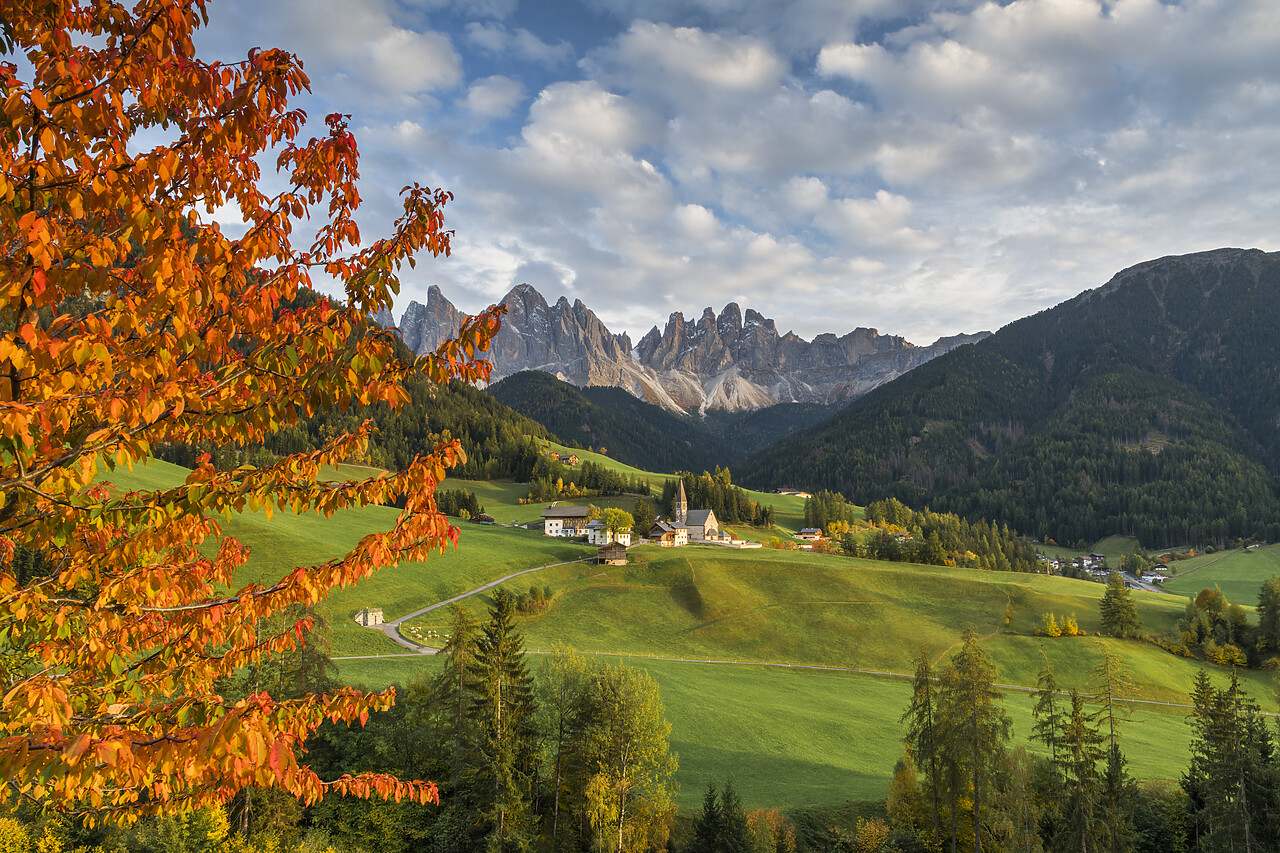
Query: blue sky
{"points": [[924, 167]]}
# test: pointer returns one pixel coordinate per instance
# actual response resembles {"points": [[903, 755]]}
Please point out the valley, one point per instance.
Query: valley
{"points": [[787, 670]]}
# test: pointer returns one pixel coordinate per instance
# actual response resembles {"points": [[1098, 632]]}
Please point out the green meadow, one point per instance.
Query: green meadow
{"points": [[728, 633], [1240, 574]]}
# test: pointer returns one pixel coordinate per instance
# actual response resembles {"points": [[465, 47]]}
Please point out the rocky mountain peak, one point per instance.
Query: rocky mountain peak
{"points": [[733, 359]]}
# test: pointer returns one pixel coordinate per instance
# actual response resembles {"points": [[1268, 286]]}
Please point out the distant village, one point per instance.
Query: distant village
{"points": [[685, 526]]}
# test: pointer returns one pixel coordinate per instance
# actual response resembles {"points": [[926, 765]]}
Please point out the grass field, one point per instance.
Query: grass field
{"points": [[788, 736], [284, 541], [1239, 573], [794, 737]]}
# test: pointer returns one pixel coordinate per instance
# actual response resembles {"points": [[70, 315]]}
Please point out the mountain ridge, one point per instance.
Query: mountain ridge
{"points": [[732, 360], [1148, 406]]}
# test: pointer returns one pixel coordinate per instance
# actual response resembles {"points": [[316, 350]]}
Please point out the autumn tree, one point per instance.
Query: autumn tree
{"points": [[616, 521], [129, 319], [631, 796]]}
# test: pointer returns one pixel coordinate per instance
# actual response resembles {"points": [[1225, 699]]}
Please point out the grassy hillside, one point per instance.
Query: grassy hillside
{"points": [[285, 541], [796, 736], [1239, 573], [788, 736]]}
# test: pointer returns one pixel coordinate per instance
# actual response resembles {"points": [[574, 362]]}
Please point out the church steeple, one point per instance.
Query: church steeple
{"points": [[681, 507]]}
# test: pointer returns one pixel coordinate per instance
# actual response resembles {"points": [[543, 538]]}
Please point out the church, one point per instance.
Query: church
{"points": [[701, 523]]}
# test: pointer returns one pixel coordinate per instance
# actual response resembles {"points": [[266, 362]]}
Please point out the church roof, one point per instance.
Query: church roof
{"points": [[566, 512], [698, 517]]}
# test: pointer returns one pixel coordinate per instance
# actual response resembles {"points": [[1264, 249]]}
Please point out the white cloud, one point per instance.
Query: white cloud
{"points": [[818, 160], [498, 39], [494, 97]]}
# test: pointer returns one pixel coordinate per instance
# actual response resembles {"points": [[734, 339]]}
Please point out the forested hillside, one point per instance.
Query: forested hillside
{"points": [[648, 436], [1147, 407], [499, 442]]}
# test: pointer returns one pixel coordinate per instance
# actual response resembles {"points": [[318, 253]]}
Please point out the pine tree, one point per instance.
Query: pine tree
{"points": [[1112, 682], [735, 837], [1079, 751], [502, 708], [1048, 710], [1232, 777], [709, 827], [1119, 614]]}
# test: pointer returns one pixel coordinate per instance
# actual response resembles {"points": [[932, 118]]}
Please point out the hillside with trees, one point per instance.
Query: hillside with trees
{"points": [[1148, 407]]}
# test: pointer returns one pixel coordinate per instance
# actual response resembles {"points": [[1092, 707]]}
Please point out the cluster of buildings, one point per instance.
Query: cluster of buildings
{"points": [[685, 526]]}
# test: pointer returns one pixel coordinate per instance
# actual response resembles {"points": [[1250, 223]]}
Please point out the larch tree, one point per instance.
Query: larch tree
{"points": [[129, 318], [923, 737], [975, 727]]}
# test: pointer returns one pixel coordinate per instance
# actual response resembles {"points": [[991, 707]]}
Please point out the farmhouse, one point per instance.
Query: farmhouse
{"points": [[810, 534], [669, 534], [598, 534], [568, 458], [565, 521], [613, 554]]}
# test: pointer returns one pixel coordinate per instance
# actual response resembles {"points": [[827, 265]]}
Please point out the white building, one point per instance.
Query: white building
{"points": [[565, 521], [597, 534]]}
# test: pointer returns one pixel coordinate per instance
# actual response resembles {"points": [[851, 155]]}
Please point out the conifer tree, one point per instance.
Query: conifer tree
{"points": [[502, 708], [709, 827], [1119, 614], [1079, 751], [923, 737], [975, 728], [1048, 710]]}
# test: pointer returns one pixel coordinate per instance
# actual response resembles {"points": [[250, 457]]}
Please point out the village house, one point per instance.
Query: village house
{"points": [[613, 554], [810, 534], [368, 617], [567, 521], [669, 534], [570, 459], [598, 534], [796, 493]]}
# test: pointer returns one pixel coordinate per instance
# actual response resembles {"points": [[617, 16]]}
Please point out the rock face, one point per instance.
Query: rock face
{"points": [[730, 361]]}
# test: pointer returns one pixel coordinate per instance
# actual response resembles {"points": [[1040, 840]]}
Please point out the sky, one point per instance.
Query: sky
{"points": [[923, 167]]}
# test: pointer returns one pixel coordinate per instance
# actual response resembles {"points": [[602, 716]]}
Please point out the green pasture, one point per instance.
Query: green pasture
{"points": [[1115, 547], [788, 736], [285, 541], [1240, 574], [794, 737]]}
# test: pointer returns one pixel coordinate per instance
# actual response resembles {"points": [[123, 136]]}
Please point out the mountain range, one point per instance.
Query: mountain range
{"points": [[1149, 406], [732, 361]]}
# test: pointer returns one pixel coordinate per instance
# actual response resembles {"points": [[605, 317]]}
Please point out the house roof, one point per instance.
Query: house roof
{"points": [[612, 547], [811, 530], [698, 517], [566, 512], [667, 527]]}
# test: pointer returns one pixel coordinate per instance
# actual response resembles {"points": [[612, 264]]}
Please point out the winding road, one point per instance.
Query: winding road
{"points": [[392, 628]]}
